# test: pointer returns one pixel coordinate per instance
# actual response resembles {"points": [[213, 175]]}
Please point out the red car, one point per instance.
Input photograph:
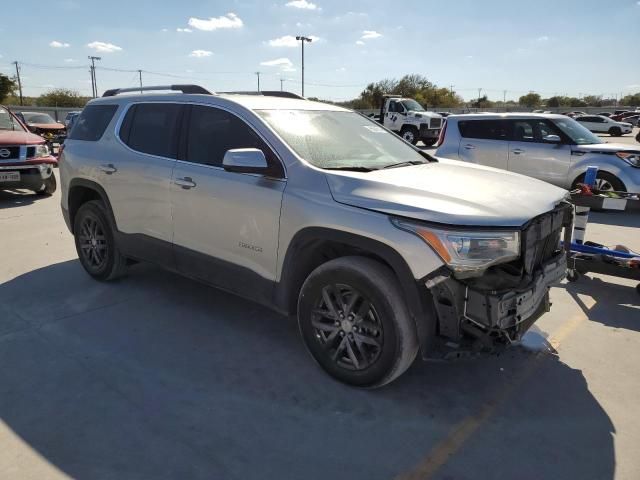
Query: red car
{"points": [[25, 160]]}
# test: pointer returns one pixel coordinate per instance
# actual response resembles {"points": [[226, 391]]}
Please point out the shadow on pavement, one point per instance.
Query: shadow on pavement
{"points": [[159, 377], [17, 198], [616, 305], [622, 219]]}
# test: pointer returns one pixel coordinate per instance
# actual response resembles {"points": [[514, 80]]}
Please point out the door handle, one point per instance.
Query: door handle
{"points": [[517, 151], [108, 169], [186, 183], [468, 146]]}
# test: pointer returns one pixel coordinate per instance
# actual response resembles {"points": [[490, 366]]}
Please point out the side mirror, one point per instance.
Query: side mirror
{"points": [[552, 139], [245, 160]]}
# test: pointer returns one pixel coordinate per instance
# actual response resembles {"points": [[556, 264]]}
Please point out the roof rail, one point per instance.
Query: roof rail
{"points": [[266, 93], [180, 88]]}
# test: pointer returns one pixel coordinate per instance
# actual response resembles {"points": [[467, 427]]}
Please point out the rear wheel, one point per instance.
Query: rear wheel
{"points": [[410, 134], [605, 182], [354, 321], [95, 243], [49, 187], [615, 131]]}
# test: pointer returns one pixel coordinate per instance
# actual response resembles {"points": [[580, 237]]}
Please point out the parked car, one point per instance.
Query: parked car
{"points": [[552, 148], [316, 211], [44, 125], [633, 120], [574, 114], [605, 114], [25, 160], [70, 119], [600, 124]]}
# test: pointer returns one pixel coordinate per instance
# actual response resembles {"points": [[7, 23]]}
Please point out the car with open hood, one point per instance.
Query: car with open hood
{"points": [[43, 124], [378, 249], [553, 148], [25, 159]]}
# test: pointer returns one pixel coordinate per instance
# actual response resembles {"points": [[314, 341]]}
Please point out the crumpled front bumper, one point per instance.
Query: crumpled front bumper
{"points": [[495, 317]]}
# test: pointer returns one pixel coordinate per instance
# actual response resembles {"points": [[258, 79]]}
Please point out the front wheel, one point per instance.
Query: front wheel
{"points": [[615, 131], [49, 186], [409, 134], [605, 182], [354, 321]]}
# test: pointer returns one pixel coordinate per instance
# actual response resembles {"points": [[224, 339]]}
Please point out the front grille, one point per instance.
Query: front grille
{"points": [[435, 123], [541, 237], [9, 152]]}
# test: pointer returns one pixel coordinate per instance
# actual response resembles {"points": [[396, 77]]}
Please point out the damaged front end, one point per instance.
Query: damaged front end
{"points": [[489, 312]]}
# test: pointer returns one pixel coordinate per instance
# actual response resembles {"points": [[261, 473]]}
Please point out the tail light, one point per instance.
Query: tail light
{"points": [[443, 132]]}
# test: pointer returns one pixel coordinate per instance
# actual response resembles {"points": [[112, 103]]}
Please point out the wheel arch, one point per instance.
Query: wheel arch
{"points": [[81, 191], [313, 246], [581, 176]]}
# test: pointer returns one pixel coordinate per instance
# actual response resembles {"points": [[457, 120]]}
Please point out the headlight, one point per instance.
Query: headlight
{"points": [[468, 253], [632, 159], [42, 151]]}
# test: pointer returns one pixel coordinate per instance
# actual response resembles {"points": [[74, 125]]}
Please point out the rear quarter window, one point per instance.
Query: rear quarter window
{"points": [[92, 122]]}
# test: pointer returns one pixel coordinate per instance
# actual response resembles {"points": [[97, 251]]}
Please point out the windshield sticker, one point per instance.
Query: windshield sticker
{"points": [[374, 128]]}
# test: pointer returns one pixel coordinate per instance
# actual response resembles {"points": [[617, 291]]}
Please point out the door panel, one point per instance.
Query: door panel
{"points": [[492, 153]]}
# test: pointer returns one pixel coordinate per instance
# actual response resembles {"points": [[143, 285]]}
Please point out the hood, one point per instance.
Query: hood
{"points": [[448, 192], [413, 113], [11, 137], [47, 126], [608, 148]]}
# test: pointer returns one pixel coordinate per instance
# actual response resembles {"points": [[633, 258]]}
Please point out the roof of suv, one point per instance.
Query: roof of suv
{"points": [[502, 116], [251, 102]]}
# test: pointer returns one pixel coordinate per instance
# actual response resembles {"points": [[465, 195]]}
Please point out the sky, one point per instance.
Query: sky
{"points": [[506, 48]]}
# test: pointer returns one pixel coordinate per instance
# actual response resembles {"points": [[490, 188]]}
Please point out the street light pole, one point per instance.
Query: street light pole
{"points": [[140, 76], [303, 39], [258, 75]]}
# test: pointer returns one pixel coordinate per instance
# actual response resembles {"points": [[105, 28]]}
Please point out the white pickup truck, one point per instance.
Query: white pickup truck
{"points": [[410, 120]]}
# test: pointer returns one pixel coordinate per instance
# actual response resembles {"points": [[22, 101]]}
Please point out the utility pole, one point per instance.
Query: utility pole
{"points": [[140, 77], [479, 93], [504, 97], [258, 75], [19, 82], [451, 90], [281, 82], [303, 39], [94, 82]]}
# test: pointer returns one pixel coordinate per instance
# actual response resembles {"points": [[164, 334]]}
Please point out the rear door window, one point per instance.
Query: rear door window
{"points": [[92, 122], [484, 129], [152, 128], [533, 130]]}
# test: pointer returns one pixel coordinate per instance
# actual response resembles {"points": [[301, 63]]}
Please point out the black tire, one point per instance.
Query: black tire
{"points": [[49, 187], [95, 243], [430, 143], [615, 131], [605, 179], [380, 333], [410, 134]]}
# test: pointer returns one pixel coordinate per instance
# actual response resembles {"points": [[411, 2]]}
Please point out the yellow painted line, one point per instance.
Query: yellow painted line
{"points": [[462, 431]]}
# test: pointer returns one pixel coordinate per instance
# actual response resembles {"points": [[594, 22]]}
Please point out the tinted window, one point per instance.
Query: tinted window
{"points": [[213, 131], [152, 128], [485, 129], [533, 130], [92, 122]]}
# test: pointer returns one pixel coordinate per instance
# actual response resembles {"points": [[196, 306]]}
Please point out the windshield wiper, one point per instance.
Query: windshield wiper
{"points": [[405, 164], [352, 169]]}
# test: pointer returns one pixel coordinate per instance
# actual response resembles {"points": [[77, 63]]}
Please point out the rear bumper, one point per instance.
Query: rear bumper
{"points": [[491, 319]]}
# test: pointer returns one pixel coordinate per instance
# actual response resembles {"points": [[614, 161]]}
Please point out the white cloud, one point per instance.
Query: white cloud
{"points": [[69, 60], [183, 30], [289, 41], [285, 64], [57, 44], [341, 69], [165, 29], [104, 47], [230, 20], [302, 4], [200, 53], [368, 34], [542, 38], [359, 42]]}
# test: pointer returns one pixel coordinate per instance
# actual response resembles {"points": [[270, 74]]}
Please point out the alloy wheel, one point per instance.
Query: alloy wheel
{"points": [[348, 327], [604, 185], [93, 242]]}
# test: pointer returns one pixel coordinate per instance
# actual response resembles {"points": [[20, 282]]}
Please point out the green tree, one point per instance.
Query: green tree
{"points": [[7, 86], [593, 100], [482, 102], [631, 100], [61, 97], [530, 100]]}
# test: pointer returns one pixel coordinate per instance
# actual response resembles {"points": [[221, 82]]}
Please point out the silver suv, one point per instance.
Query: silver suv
{"points": [[316, 211], [553, 148]]}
